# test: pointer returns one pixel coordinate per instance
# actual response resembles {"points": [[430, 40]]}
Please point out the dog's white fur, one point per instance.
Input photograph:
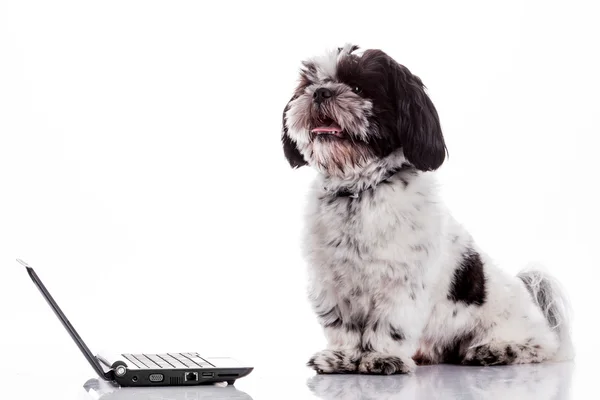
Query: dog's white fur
{"points": [[383, 264]]}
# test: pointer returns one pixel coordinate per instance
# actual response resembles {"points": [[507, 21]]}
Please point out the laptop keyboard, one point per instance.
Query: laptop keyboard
{"points": [[167, 360]]}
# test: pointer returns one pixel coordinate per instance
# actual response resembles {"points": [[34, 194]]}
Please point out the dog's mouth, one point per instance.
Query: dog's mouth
{"points": [[327, 127]]}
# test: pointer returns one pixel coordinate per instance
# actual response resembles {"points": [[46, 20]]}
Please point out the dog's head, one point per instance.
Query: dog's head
{"points": [[351, 110]]}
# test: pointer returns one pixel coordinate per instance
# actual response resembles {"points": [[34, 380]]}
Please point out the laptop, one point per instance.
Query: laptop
{"points": [[146, 369]]}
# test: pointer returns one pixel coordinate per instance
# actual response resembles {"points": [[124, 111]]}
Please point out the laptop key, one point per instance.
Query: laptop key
{"points": [[158, 361], [132, 360], [195, 357], [175, 363], [182, 359], [141, 360], [196, 361]]}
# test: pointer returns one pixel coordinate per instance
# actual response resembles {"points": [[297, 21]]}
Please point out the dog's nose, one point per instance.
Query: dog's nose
{"points": [[321, 94]]}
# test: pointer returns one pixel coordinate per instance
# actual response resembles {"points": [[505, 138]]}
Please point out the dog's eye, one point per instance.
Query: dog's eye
{"points": [[356, 89]]}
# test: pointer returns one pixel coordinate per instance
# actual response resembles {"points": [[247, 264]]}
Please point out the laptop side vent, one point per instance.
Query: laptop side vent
{"points": [[175, 380]]}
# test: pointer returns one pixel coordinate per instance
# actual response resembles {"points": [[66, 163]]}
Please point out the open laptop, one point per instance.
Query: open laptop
{"points": [[144, 369]]}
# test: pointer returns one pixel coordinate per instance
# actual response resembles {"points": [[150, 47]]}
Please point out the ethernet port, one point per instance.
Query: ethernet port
{"points": [[191, 376]]}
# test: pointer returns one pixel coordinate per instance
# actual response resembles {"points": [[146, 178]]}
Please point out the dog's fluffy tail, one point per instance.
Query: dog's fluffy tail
{"points": [[551, 299]]}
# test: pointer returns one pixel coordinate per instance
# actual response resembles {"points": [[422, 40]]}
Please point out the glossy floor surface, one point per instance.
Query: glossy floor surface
{"points": [[544, 381], [548, 382]]}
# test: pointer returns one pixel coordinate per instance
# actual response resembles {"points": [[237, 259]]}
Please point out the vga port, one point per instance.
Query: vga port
{"points": [[156, 377]]}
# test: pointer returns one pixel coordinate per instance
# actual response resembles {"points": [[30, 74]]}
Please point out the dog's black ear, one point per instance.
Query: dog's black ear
{"points": [[418, 122], [290, 150]]}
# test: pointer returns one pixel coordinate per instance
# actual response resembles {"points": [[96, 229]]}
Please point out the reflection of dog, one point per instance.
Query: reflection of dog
{"points": [[547, 381], [393, 275]]}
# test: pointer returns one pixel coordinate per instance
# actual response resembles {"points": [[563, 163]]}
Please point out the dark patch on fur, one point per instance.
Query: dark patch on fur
{"points": [[371, 194], [412, 296], [375, 326], [529, 341], [354, 326], [374, 303], [331, 362], [420, 248], [386, 366], [357, 323], [454, 313], [312, 70], [386, 179], [396, 334], [352, 48], [290, 150], [337, 277], [335, 322], [335, 242], [411, 123], [510, 353], [337, 361], [487, 355], [468, 285], [420, 359], [366, 347], [353, 244], [350, 207], [455, 352], [339, 356]]}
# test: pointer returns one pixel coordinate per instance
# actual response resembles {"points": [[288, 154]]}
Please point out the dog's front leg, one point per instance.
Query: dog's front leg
{"points": [[342, 354], [392, 340]]}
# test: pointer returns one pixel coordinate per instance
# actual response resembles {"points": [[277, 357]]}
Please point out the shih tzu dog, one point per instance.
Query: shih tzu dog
{"points": [[395, 280]]}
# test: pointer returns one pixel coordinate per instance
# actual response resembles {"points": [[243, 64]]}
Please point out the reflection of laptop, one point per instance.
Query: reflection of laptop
{"points": [[101, 390], [168, 369]]}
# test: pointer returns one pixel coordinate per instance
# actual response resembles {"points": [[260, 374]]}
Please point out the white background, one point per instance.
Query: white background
{"points": [[141, 172]]}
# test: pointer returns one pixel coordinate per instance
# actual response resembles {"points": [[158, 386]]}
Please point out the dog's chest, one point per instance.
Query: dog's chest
{"points": [[371, 242]]}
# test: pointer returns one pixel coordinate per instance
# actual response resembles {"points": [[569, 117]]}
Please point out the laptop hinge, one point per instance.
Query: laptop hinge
{"points": [[110, 374]]}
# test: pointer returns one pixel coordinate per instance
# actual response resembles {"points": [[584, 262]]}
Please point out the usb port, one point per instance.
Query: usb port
{"points": [[208, 374]]}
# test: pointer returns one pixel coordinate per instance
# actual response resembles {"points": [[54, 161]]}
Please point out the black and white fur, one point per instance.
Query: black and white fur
{"points": [[395, 280]]}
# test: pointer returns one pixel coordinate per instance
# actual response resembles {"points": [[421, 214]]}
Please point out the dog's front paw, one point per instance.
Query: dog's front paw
{"points": [[334, 362], [384, 364]]}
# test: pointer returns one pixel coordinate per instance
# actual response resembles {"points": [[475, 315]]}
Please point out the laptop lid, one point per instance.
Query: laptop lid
{"points": [[63, 319]]}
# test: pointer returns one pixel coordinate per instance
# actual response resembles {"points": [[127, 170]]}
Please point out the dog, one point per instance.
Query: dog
{"points": [[395, 281]]}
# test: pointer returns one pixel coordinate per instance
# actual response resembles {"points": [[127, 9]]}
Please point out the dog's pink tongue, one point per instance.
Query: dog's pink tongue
{"points": [[331, 128]]}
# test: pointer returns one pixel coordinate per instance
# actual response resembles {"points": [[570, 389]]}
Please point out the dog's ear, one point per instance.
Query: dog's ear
{"points": [[290, 150], [418, 122]]}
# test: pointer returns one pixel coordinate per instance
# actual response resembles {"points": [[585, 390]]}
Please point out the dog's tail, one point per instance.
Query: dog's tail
{"points": [[552, 300]]}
